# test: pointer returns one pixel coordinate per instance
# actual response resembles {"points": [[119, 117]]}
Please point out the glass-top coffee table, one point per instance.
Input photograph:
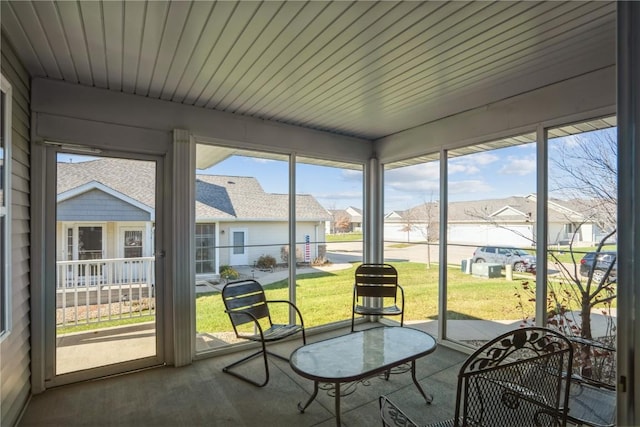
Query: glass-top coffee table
{"points": [[360, 355]]}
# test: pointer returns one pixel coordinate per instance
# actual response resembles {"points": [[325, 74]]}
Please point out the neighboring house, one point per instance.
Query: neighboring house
{"points": [[236, 220], [398, 226], [344, 220], [509, 221]]}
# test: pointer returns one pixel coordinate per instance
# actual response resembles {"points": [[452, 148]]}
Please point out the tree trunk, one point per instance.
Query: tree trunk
{"points": [[586, 369]]}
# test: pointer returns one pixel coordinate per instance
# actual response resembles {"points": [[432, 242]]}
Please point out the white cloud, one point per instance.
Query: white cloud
{"points": [[351, 175], [471, 164], [423, 178], [483, 158], [518, 166], [471, 186], [415, 186]]}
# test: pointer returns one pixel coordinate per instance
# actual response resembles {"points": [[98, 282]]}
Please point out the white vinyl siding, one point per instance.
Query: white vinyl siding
{"points": [[519, 236], [14, 363], [268, 238], [110, 208]]}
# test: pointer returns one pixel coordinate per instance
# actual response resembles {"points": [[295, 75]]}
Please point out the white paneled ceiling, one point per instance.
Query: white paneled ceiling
{"points": [[364, 69]]}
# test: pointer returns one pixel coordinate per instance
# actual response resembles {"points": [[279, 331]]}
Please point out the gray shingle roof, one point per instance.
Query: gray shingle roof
{"points": [[515, 208], [217, 197]]}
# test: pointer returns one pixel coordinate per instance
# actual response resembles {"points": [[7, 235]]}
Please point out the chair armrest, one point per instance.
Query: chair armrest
{"points": [[392, 416], [250, 316], [401, 295], [291, 305], [592, 343]]}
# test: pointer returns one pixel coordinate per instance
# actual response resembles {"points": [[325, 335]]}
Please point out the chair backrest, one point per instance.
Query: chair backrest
{"points": [[519, 378], [376, 280], [244, 299]]}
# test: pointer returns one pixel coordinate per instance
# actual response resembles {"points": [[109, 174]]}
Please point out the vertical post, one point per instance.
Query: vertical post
{"points": [[180, 292], [542, 226], [442, 267], [628, 90], [292, 235], [373, 207]]}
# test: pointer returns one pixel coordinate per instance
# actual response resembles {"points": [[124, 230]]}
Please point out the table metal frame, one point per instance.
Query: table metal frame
{"points": [[380, 350]]}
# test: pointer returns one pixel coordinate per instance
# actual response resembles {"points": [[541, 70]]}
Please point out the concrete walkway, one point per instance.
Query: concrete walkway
{"points": [[268, 277]]}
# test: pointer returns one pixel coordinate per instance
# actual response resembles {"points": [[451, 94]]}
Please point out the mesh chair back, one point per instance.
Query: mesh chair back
{"points": [[248, 297], [376, 280], [517, 379]]}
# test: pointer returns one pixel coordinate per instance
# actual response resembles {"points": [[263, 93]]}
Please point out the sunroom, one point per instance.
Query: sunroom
{"points": [[232, 130]]}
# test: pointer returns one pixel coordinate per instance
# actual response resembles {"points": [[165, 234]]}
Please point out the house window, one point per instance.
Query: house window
{"points": [[89, 243], [133, 243], [69, 244], [205, 244], [5, 204]]}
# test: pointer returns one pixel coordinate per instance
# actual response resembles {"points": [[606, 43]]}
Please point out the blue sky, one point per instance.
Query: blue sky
{"points": [[493, 174]]}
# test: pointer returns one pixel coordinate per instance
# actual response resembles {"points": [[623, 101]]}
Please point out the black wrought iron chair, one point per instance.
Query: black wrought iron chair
{"points": [[377, 281], [517, 379], [592, 400], [248, 309]]}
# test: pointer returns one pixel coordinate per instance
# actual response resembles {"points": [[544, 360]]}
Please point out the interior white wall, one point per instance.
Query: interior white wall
{"points": [[99, 117]]}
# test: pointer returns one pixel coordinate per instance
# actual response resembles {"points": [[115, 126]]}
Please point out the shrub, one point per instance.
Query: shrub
{"points": [[228, 272], [266, 262], [284, 254]]}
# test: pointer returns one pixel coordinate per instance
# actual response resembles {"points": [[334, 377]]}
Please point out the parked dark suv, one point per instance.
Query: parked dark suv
{"points": [[520, 260], [602, 264]]}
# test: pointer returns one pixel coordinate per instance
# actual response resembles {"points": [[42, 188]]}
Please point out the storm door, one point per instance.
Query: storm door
{"points": [[238, 251], [106, 288]]}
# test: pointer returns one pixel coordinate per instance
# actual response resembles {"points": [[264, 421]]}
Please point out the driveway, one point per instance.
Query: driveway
{"points": [[352, 252], [342, 252]]}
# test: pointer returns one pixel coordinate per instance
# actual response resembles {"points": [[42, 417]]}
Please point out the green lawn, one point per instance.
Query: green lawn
{"points": [[326, 297], [344, 237]]}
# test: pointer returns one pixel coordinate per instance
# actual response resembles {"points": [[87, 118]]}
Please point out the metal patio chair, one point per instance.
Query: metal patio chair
{"points": [[592, 400], [377, 281], [517, 379], [248, 309]]}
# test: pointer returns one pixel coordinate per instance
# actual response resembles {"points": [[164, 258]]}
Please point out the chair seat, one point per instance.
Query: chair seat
{"points": [[394, 417], [248, 308], [274, 333], [591, 405], [385, 311]]}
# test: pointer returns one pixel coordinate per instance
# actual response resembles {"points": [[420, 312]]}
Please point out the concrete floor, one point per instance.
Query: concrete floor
{"points": [[201, 394]]}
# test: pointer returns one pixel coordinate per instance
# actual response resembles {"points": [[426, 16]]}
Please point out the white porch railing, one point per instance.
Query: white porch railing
{"points": [[98, 290]]}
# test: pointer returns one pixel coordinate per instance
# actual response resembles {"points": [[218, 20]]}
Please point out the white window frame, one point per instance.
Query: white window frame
{"points": [[213, 247], [146, 244], [5, 212]]}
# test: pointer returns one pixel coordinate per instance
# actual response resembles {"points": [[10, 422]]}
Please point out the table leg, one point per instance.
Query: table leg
{"points": [[427, 397], [313, 396], [338, 404]]}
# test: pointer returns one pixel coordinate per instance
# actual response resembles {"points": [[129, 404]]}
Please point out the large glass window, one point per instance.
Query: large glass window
{"points": [[491, 236], [329, 244], [582, 241], [5, 206], [242, 232], [411, 235], [246, 194]]}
